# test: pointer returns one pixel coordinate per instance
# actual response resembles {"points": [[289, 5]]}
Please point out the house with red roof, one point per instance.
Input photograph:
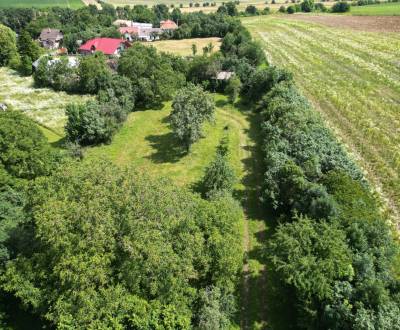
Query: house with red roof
{"points": [[108, 46], [168, 25]]}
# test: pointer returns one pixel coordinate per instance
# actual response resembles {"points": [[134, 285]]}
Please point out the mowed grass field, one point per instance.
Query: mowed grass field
{"points": [[43, 105], [184, 47], [353, 79], [383, 9], [146, 141], [74, 4]]}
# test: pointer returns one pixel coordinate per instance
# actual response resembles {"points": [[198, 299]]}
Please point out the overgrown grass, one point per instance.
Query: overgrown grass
{"points": [[383, 9], [41, 104], [184, 47], [353, 78], [74, 4]]}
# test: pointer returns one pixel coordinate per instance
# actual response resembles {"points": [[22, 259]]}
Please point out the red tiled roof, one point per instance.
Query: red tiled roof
{"points": [[106, 45], [129, 29], [168, 25]]}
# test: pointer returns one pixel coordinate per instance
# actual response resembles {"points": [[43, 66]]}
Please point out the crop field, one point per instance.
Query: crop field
{"points": [[74, 4], [383, 9], [41, 104], [353, 79], [184, 47]]}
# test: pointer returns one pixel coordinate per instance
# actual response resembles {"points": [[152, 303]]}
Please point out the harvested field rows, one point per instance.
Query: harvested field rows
{"points": [[353, 78]]}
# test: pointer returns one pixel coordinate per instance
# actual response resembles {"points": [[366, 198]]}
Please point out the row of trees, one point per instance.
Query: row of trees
{"points": [[334, 254]]}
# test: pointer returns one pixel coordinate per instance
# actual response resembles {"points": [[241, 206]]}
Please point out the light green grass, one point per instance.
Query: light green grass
{"points": [[353, 79], [383, 9], [74, 4], [146, 142], [43, 105], [183, 47]]}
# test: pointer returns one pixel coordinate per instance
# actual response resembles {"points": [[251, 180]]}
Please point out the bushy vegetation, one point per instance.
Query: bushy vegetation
{"points": [[126, 251], [340, 7]]}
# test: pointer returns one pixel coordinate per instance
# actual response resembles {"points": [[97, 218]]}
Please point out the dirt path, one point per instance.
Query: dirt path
{"points": [[253, 298], [359, 23]]}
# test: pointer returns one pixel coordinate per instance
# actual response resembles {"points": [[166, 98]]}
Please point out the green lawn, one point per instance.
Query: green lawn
{"points": [[146, 141], [43, 105], [74, 4], [353, 79], [383, 9]]}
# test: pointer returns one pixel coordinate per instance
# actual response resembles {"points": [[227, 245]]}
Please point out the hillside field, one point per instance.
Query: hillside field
{"points": [[383, 9], [353, 79], [74, 4]]}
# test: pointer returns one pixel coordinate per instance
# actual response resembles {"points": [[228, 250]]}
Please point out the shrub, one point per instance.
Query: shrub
{"points": [[282, 9], [307, 6], [93, 122], [219, 176], [340, 7], [291, 9], [8, 45]]}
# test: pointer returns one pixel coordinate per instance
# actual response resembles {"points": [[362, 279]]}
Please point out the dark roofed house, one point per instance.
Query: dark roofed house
{"points": [[108, 46], [51, 38]]}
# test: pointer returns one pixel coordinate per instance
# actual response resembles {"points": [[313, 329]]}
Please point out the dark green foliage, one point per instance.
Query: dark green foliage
{"points": [[8, 48], [219, 177], [262, 80], [190, 109], [152, 76], [291, 9], [94, 73], [233, 89], [307, 6], [24, 150], [228, 8], [25, 66], [240, 45], [119, 90], [340, 7], [27, 47], [116, 249], [94, 122], [282, 9], [251, 10], [203, 69]]}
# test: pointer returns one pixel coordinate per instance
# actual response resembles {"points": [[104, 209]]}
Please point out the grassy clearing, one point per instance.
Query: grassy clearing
{"points": [[353, 78], [383, 9], [74, 4], [184, 47], [41, 104], [146, 142]]}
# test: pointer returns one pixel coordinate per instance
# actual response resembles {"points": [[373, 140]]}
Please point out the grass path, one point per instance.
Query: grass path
{"points": [[353, 80]]}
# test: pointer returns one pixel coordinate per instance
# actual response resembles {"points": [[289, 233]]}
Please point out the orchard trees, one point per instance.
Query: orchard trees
{"points": [[192, 106]]}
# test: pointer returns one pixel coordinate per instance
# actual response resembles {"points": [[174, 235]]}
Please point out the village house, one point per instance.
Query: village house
{"points": [[168, 25], [140, 33], [51, 38], [108, 46], [128, 23]]}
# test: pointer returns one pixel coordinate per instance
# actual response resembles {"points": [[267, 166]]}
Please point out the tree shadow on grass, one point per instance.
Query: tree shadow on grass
{"points": [[168, 148]]}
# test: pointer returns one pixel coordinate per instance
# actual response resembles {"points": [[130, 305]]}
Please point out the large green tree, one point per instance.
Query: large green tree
{"points": [[152, 75], [94, 73], [191, 107], [8, 45]]}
